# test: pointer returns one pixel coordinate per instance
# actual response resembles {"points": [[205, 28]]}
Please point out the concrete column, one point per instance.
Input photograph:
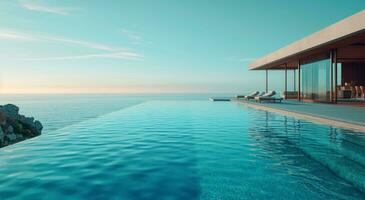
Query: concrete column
{"points": [[295, 83], [335, 79], [286, 80], [299, 97], [331, 76], [267, 81]]}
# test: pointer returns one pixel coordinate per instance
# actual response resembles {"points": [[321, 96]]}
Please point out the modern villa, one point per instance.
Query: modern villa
{"points": [[326, 66]]}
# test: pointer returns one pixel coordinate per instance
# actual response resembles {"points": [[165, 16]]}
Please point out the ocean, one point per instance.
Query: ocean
{"points": [[57, 111]]}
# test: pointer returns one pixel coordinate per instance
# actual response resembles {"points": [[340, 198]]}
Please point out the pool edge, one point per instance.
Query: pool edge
{"points": [[311, 118]]}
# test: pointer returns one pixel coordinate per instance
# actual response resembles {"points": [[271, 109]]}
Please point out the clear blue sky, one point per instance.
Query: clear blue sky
{"points": [[151, 46]]}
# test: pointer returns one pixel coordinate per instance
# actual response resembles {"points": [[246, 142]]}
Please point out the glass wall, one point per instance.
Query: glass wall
{"points": [[316, 80], [339, 74]]}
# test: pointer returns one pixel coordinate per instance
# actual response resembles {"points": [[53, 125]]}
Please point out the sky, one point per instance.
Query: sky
{"points": [[160, 46]]}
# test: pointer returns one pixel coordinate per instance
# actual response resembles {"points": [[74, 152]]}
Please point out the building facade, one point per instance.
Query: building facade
{"points": [[328, 66]]}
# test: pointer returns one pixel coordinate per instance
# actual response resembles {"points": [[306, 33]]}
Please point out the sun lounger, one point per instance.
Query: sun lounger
{"points": [[254, 96], [244, 96], [268, 97]]}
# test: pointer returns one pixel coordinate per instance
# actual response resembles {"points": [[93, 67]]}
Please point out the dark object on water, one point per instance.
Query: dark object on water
{"points": [[219, 99]]}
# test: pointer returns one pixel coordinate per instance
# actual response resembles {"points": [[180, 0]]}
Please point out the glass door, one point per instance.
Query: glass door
{"points": [[316, 80]]}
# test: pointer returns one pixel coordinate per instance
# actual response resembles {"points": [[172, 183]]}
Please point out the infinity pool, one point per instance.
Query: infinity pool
{"points": [[187, 150]]}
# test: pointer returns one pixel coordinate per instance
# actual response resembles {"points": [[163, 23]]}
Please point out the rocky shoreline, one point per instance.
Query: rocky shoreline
{"points": [[15, 127]]}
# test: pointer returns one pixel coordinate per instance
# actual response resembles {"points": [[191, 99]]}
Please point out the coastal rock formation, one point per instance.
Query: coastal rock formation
{"points": [[15, 127]]}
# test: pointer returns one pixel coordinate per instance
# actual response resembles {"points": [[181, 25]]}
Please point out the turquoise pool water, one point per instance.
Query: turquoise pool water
{"points": [[187, 150], [56, 111]]}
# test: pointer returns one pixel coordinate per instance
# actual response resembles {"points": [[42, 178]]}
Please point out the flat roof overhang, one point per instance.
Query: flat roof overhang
{"points": [[347, 35]]}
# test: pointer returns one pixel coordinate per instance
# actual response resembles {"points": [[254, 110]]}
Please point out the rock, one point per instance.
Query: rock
{"points": [[11, 110], [2, 135], [22, 119], [30, 121], [10, 129], [11, 137], [15, 127], [28, 133], [38, 125], [19, 136], [2, 117]]}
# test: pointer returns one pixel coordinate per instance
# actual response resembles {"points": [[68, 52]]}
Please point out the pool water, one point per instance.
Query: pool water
{"points": [[187, 150], [56, 111]]}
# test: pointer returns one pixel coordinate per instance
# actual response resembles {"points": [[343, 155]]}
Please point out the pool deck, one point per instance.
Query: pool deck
{"points": [[341, 116]]}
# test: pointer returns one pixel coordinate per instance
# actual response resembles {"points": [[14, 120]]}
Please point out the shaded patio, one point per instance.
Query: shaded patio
{"points": [[327, 66]]}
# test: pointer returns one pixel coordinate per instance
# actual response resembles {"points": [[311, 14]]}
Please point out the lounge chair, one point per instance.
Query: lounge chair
{"points": [[357, 92], [268, 97], [254, 96], [244, 96]]}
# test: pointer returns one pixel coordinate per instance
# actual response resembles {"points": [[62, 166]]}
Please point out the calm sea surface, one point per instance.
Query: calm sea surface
{"points": [[58, 111], [177, 147]]}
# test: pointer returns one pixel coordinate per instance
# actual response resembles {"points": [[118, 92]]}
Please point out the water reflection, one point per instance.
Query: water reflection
{"points": [[301, 143]]}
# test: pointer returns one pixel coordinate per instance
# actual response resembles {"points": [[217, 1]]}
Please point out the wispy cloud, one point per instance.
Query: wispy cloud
{"points": [[115, 55], [133, 36], [44, 8], [16, 35], [87, 44], [112, 52], [12, 35]]}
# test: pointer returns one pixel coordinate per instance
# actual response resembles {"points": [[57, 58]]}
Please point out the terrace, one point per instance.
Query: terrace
{"points": [[326, 67], [337, 115]]}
